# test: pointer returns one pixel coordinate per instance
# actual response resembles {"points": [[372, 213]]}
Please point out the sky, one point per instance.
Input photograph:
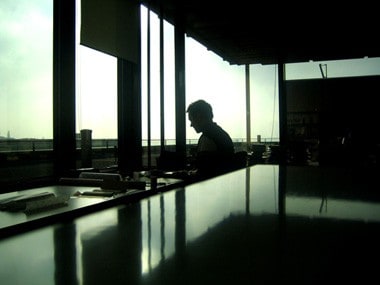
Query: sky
{"points": [[25, 70], [26, 81]]}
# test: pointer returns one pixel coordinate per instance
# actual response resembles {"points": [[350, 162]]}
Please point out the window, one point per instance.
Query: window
{"points": [[96, 103], [26, 52], [154, 84], [264, 104], [222, 85]]}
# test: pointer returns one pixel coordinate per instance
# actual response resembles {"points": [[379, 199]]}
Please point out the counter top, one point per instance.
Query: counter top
{"points": [[266, 224], [78, 201]]}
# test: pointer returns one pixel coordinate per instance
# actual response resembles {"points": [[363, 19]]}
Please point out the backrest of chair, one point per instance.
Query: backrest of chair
{"points": [[240, 159], [170, 160]]}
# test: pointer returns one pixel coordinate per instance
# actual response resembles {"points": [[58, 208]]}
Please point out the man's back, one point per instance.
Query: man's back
{"points": [[215, 148], [215, 151]]}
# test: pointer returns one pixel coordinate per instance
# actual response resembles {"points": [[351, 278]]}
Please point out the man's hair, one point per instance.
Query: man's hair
{"points": [[200, 107]]}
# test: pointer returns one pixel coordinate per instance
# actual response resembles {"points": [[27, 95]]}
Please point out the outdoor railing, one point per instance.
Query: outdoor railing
{"points": [[28, 145]]}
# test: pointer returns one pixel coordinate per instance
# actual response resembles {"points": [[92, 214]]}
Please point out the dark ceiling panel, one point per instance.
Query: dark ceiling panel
{"points": [[250, 32]]}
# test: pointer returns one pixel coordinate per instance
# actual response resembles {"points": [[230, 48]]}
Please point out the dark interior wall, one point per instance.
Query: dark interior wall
{"points": [[340, 102], [343, 107]]}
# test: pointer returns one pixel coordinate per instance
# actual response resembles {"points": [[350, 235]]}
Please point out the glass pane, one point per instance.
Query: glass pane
{"points": [[333, 68], [26, 53], [155, 73], [96, 104], [150, 85], [264, 104], [169, 85], [222, 85]]}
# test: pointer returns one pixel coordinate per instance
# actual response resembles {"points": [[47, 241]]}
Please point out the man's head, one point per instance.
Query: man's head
{"points": [[200, 114]]}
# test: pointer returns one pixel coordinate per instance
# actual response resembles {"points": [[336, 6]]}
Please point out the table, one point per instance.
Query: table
{"points": [[77, 205], [266, 224]]}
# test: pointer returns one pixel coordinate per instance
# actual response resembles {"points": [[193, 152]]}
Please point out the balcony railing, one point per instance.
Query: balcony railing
{"points": [[30, 145]]}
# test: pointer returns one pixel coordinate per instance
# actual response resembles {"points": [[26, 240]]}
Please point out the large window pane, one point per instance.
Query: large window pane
{"points": [[222, 85], [264, 104], [96, 104], [26, 52], [150, 81]]}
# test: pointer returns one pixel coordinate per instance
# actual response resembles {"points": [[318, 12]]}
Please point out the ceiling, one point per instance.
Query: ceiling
{"points": [[250, 32]]}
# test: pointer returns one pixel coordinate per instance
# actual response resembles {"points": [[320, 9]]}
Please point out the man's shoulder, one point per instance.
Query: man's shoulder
{"points": [[220, 137], [206, 144], [216, 130]]}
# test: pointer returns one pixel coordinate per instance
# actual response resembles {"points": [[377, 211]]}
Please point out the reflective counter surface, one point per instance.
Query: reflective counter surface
{"points": [[73, 202], [261, 225]]}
